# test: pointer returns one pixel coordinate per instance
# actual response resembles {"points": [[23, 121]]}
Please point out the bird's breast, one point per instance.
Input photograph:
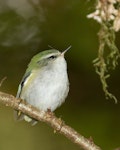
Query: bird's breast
{"points": [[48, 87]]}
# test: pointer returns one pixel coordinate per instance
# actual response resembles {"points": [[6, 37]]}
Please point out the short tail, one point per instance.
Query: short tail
{"points": [[18, 115]]}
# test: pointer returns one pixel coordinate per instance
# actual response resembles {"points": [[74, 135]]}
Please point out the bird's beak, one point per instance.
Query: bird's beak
{"points": [[63, 53]]}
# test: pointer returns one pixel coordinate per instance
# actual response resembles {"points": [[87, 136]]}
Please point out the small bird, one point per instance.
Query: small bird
{"points": [[45, 84]]}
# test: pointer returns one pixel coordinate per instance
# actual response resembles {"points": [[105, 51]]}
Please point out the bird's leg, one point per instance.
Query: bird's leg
{"points": [[50, 112]]}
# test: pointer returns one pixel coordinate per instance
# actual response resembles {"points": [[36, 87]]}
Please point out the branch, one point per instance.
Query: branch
{"points": [[56, 123]]}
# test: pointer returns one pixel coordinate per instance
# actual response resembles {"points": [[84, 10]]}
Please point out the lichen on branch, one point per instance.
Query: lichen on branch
{"points": [[107, 14]]}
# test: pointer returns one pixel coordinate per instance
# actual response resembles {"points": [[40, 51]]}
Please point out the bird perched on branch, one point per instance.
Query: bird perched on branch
{"points": [[45, 84]]}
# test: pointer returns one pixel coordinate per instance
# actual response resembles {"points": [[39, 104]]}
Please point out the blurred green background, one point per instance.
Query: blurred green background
{"points": [[28, 27]]}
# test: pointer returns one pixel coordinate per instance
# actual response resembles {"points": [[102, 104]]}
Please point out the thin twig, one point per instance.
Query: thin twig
{"points": [[56, 123], [1, 82]]}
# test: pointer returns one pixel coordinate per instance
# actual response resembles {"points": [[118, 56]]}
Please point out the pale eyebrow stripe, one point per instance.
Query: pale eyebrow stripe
{"points": [[50, 55]]}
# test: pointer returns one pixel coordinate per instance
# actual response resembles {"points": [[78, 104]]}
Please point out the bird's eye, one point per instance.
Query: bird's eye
{"points": [[52, 57]]}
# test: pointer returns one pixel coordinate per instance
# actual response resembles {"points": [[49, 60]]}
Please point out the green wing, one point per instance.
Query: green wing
{"points": [[17, 114], [22, 84]]}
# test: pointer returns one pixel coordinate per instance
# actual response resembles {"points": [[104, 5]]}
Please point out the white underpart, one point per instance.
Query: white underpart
{"points": [[49, 88]]}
